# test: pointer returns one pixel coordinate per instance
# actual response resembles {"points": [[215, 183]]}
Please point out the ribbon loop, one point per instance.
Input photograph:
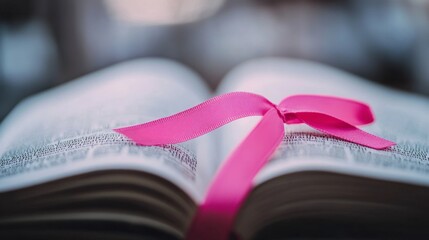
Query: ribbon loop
{"points": [[215, 217], [350, 111]]}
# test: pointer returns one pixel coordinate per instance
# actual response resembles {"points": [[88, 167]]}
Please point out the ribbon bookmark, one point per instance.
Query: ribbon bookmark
{"points": [[232, 183]]}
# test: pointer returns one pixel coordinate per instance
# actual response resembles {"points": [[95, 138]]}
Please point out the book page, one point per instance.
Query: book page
{"points": [[400, 117], [68, 130]]}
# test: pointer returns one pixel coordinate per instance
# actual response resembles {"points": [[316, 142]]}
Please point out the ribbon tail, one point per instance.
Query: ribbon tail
{"points": [[198, 120], [214, 219], [342, 130]]}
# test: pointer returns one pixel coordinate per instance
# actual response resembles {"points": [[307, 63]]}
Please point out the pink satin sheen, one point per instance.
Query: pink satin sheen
{"points": [[214, 219]]}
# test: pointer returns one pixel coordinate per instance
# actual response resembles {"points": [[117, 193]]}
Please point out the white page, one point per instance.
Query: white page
{"points": [[68, 130], [400, 117]]}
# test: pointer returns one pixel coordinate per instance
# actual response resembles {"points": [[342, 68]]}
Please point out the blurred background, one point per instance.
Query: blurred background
{"points": [[44, 43]]}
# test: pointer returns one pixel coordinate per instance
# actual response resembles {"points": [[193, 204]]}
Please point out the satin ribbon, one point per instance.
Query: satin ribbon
{"points": [[232, 183]]}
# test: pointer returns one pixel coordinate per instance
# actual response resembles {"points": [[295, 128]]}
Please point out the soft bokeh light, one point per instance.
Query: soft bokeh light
{"points": [[162, 11]]}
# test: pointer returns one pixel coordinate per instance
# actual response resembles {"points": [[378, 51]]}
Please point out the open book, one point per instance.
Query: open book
{"points": [[64, 173]]}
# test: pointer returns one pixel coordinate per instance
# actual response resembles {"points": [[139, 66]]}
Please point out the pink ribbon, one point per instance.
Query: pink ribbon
{"points": [[215, 216]]}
